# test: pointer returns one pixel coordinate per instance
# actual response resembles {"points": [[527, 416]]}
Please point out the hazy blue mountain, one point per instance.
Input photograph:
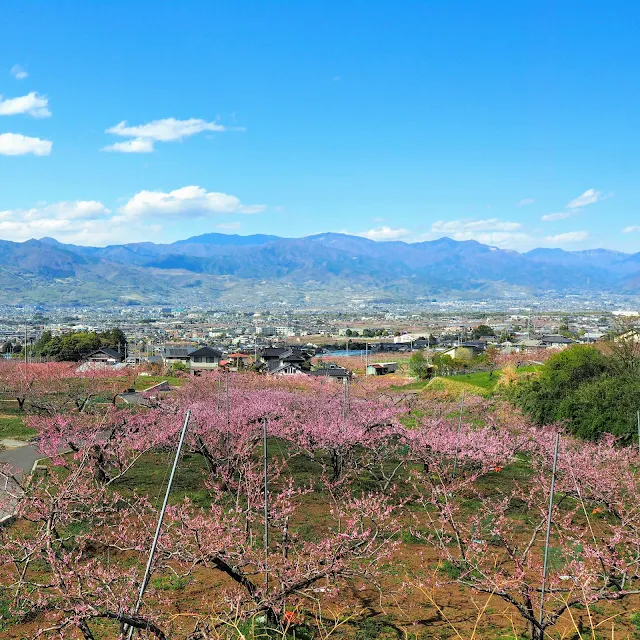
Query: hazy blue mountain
{"points": [[593, 258], [233, 267]]}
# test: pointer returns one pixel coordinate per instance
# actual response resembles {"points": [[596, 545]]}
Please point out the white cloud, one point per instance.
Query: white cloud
{"points": [[32, 104], [384, 233], [15, 144], [561, 215], [588, 197], [90, 222], [525, 201], [467, 226], [502, 239], [71, 221], [166, 130], [187, 202], [18, 72], [74, 210], [137, 145], [631, 229], [491, 231], [568, 238]]}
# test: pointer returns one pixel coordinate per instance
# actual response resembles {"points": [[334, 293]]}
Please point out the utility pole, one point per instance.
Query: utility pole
{"points": [[345, 399], [147, 571], [226, 377], [455, 460], [26, 353], [266, 507], [549, 516]]}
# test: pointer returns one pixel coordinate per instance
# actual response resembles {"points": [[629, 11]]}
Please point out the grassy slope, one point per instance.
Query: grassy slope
{"points": [[12, 422]]}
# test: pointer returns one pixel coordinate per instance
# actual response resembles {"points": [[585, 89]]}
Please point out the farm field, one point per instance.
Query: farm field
{"points": [[395, 510]]}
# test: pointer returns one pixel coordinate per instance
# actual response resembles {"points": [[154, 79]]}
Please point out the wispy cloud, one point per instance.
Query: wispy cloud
{"points": [[32, 104], [561, 215], [166, 130], [15, 144], [137, 145], [631, 229], [228, 226], [525, 201], [458, 226], [72, 210], [590, 196], [18, 72], [568, 238], [492, 231], [187, 202], [385, 233]]}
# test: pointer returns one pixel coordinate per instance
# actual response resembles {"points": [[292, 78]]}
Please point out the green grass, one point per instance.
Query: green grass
{"points": [[455, 385], [418, 385], [482, 379], [15, 428], [169, 582], [410, 420], [529, 368], [150, 474], [12, 423], [144, 382]]}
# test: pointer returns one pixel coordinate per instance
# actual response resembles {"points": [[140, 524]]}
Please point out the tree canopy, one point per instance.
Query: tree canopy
{"points": [[482, 330], [418, 365], [587, 389], [75, 345]]}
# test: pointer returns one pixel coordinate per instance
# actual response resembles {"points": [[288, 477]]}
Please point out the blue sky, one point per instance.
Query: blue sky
{"points": [[514, 123]]}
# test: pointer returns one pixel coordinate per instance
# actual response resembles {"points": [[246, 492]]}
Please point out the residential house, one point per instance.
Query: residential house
{"points": [[287, 369], [332, 371], [274, 358], [528, 344], [556, 342], [382, 368], [391, 346], [424, 343], [592, 336], [105, 355], [237, 361], [466, 350], [204, 359], [176, 353]]}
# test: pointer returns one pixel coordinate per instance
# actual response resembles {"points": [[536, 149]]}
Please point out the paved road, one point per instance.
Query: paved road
{"points": [[21, 460]]}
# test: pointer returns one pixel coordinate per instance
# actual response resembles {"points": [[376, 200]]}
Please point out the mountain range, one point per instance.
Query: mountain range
{"points": [[320, 270]]}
